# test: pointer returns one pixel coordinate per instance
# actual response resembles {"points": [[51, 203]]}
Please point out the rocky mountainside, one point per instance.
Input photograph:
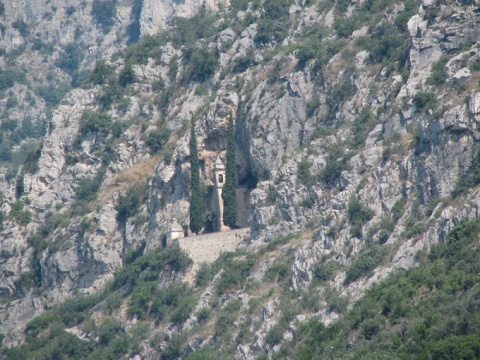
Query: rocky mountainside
{"points": [[356, 140]]}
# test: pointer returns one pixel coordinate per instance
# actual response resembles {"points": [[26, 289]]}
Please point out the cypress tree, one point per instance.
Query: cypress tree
{"points": [[196, 202], [228, 193]]}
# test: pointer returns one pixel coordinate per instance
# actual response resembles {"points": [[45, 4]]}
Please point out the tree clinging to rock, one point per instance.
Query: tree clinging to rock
{"points": [[228, 193], [196, 204]]}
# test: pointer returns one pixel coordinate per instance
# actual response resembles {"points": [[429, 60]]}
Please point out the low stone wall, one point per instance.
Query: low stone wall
{"points": [[208, 247]]}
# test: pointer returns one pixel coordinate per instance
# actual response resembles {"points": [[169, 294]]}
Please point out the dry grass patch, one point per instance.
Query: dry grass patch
{"points": [[138, 173]]}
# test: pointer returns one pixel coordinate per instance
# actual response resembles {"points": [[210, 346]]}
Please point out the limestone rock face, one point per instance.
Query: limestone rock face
{"points": [[86, 251], [157, 13]]}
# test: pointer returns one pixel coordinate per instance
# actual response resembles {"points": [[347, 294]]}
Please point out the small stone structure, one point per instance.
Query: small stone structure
{"points": [[175, 231]]}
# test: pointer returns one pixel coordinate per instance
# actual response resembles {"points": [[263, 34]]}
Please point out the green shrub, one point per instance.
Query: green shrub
{"points": [[182, 310], [204, 314], [126, 76], [119, 127], [383, 236], [312, 106], [22, 27], [370, 328], [206, 352], [279, 271], [37, 242], [457, 347], [335, 301], [17, 213], [324, 271], [303, 173], [51, 223], [80, 208], [69, 11], [225, 322], [275, 22], [401, 21], [339, 93], [93, 122], [140, 331], [70, 58], [112, 93], [188, 31], [274, 335], [139, 52], [43, 48], [342, 5], [438, 75], [9, 77], [334, 167], [358, 215], [31, 162], [27, 280], [175, 300], [163, 100], [204, 275], [141, 297], [398, 208], [386, 44], [129, 204], [5, 153], [424, 101], [37, 324], [416, 229], [102, 73], [235, 273], [156, 139], [73, 311], [147, 267], [47, 339], [467, 181], [103, 13], [281, 240], [317, 50], [108, 330], [173, 350], [345, 26], [88, 187], [367, 260], [475, 65], [308, 201], [53, 94], [201, 64], [361, 127], [243, 63]]}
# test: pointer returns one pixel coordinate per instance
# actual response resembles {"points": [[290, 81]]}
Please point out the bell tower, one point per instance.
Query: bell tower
{"points": [[219, 173]]}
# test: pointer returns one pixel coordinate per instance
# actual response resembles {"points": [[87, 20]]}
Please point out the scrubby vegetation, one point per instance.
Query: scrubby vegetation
{"points": [[103, 13], [46, 334], [129, 204], [427, 312], [358, 215]]}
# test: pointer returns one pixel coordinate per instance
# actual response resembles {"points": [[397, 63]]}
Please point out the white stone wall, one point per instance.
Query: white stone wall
{"points": [[208, 247]]}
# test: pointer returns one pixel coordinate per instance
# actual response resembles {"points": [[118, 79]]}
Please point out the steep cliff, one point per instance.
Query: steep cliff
{"points": [[356, 140]]}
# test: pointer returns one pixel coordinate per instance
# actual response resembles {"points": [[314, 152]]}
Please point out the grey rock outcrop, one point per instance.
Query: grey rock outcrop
{"points": [[157, 13]]}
